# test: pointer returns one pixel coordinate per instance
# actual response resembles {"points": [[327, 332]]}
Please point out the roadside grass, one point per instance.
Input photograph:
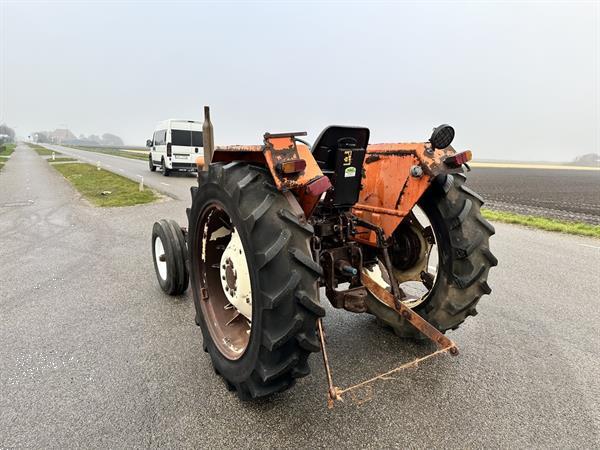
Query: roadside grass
{"points": [[1, 165], [61, 159], [43, 151], [113, 151], [91, 182], [561, 226], [7, 149]]}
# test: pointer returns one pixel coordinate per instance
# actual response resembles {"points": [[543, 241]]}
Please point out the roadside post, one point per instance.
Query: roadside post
{"points": [[53, 156], [141, 183]]}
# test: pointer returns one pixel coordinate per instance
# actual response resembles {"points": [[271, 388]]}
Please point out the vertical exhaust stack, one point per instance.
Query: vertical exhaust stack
{"points": [[208, 140]]}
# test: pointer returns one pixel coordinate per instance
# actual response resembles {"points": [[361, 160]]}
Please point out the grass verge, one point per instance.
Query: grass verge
{"points": [[1, 165], [92, 182], [578, 228], [43, 151], [61, 159], [7, 149], [113, 151]]}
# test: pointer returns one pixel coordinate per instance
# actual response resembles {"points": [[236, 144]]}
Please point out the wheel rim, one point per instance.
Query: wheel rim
{"points": [[418, 280], [159, 257], [225, 279]]}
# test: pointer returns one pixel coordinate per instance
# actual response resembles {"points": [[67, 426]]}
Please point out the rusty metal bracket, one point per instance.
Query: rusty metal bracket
{"points": [[444, 344], [441, 340]]}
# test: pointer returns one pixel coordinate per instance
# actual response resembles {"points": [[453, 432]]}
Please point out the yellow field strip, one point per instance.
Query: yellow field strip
{"points": [[133, 151], [531, 166]]}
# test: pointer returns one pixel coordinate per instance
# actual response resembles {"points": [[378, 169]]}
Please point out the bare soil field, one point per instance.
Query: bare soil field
{"points": [[552, 193]]}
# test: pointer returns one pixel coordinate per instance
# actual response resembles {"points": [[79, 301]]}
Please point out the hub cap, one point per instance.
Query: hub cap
{"points": [[159, 255], [235, 278]]}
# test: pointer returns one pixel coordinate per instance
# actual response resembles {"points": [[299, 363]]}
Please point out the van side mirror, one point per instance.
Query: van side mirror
{"points": [[148, 143]]}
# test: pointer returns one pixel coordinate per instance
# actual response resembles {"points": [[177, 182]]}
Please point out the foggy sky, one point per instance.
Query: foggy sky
{"points": [[517, 80]]}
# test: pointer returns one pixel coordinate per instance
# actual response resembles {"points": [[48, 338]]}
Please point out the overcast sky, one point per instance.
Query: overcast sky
{"points": [[517, 80]]}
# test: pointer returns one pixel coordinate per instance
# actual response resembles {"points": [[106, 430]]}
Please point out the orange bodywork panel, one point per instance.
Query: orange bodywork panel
{"points": [[280, 149], [389, 190], [307, 184], [249, 153], [275, 150]]}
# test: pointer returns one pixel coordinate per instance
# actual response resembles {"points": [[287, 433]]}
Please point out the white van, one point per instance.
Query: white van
{"points": [[175, 145]]}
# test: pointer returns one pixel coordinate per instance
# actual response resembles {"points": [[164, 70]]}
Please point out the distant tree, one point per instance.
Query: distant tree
{"points": [[111, 139], [7, 131], [95, 139]]}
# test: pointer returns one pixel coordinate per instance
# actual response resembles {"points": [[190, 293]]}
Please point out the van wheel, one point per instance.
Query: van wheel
{"points": [[165, 171], [151, 165]]}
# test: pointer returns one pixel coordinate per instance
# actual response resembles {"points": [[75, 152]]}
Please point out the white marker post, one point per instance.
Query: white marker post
{"points": [[53, 156], [141, 183]]}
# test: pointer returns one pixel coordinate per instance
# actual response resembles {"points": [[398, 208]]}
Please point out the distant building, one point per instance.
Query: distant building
{"points": [[65, 136], [590, 159], [60, 135]]}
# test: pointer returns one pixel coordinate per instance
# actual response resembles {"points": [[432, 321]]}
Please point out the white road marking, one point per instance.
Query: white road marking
{"points": [[590, 246], [166, 184]]}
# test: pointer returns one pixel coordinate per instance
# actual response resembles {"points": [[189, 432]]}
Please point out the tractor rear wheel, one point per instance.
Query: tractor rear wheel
{"points": [[253, 278], [461, 236]]}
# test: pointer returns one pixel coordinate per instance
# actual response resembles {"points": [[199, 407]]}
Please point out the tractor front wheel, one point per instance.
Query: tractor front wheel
{"points": [[253, 278], [170, 257]]}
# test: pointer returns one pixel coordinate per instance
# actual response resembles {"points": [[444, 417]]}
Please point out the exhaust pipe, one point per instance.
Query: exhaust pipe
{"points": [[208, 140]]}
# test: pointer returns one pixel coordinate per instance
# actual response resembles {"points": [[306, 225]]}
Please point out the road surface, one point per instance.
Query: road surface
{"points": [[94, 355]]}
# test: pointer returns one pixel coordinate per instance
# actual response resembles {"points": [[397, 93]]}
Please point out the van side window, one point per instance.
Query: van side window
{"points": [[160, 137]]}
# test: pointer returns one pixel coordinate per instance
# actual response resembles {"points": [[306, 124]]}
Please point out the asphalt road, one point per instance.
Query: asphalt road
{"points": [[94, 355]]}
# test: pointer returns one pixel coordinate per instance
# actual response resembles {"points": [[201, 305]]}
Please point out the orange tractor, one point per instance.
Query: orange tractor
{"points": [[386, 229]]}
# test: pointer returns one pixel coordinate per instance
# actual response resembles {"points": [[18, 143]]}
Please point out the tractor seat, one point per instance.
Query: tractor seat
{"points": [[340, 153], [334, 137]]}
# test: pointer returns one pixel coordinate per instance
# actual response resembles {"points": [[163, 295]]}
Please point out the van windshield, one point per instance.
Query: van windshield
{"points": [[186, 138]]}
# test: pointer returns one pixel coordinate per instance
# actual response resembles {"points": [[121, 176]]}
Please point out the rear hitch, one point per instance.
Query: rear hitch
{"points": [[443, 343]]}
